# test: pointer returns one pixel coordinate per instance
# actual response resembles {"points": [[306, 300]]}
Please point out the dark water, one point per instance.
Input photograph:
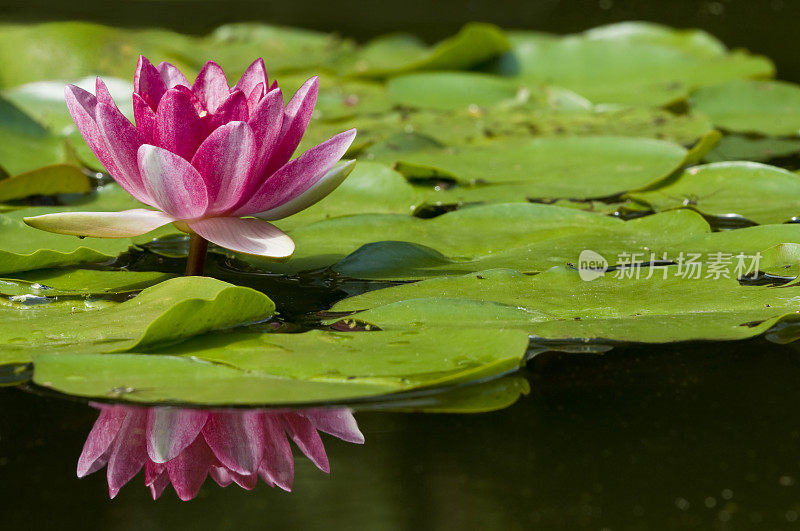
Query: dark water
{"points": [[695, 436], [650, 438]]}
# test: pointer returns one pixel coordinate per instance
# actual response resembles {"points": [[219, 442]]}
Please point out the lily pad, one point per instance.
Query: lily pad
{"points": [[253, 368], [760, 193], [663, 308], [168, 312], [615, 71], [447, 91], [50, 180], [78, 282], [746, 106], [569, 167], [462, 234], [473, 45], [758, 149]]}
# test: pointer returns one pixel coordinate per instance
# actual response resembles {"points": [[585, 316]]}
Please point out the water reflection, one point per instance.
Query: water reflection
{"points": [[184, 446]]}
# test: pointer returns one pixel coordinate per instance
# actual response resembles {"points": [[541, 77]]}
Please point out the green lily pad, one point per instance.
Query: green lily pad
{"points": [[461, 234], [473, 45], [447, 91], [758, 149], [616, 71], [663, 308], [696, 42], [50, 180], [78, 282], [24, 143], [568, 167], [648, 237], [171, 311], [253, 368], [746, 106], [760, 193]]}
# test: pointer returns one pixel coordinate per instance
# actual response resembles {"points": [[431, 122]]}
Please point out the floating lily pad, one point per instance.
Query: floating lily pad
{"points": [[696, 42], [49, 180], [664, 308], [473, 45], [758, 149], [746, 106], [253, 368], [78, 282], [760, 193], [447, 91], [616, 71], [165, 313], [461, 234], [648, 237], [569, 167]]}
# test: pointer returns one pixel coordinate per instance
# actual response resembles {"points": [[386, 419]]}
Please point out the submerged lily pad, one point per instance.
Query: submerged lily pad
{"points": [[760, 193], [663, 308], [254, 368], [746, 106]]}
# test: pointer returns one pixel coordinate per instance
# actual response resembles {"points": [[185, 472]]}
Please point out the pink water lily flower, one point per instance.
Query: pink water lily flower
{"points": [[212, 159], [184, 446]]}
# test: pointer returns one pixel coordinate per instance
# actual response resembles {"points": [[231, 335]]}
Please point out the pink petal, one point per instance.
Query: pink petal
{"points": [[178, 126], [82, 107], [147, 83], [256, 74], [319, 190], [246, 481], [188, 471], [123, 224], [171, 76], [128, 455], [96, 449], [156, 477], [235, 438], [248, 235], [145, 118], [122, 141], [299, 175], [266, 121], [171, 430], [255, 96], [175, 186], [225, 160], [305, 436], [295, 121], [233, 109], [221, 475], [102, 93], [277, 467], [337, 422], [211, 86]]}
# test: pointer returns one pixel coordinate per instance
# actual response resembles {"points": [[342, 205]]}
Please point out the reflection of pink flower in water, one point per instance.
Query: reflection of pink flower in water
{"points": [[183, 446]]}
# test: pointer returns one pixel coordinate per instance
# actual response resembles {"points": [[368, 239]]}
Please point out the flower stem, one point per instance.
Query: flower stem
{"points": [[197, 255]]}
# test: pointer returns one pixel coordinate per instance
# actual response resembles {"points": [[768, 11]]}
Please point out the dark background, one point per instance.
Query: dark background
{"points": [[764, 26]]}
